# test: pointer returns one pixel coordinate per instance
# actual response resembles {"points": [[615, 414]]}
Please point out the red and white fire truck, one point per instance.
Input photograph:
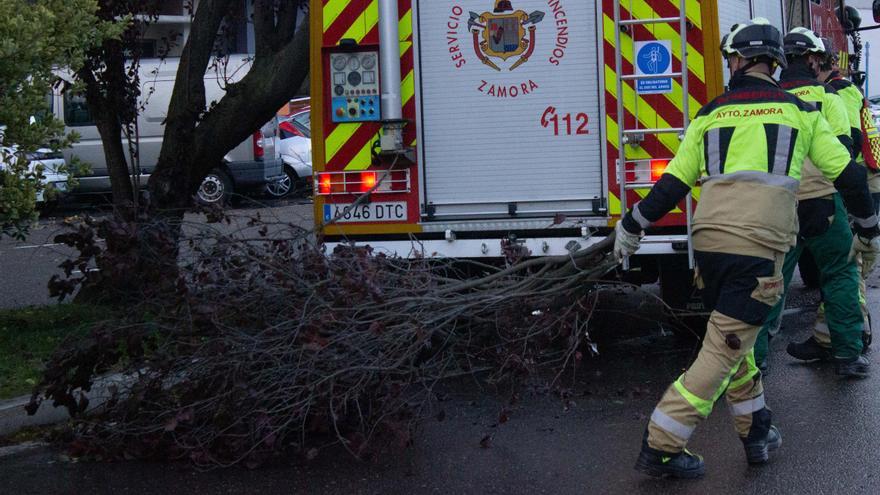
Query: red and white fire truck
{"points": [[491, 123]]}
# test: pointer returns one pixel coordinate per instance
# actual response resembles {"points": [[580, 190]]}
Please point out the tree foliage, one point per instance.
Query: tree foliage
{"points": [[35, 38], [264, 346]]}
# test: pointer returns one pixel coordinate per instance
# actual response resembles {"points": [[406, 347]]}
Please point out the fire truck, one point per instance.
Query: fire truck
{"points": [[460, 128]]}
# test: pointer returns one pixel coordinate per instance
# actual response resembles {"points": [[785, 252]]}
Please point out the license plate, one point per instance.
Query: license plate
{"points": [[368, 212]]}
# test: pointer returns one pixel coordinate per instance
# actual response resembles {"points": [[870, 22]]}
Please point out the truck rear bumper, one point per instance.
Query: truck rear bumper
{"points": [[492, 248]]}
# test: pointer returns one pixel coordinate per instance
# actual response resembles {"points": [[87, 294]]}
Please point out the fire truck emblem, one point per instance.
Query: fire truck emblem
{"points": [[503, 34]]}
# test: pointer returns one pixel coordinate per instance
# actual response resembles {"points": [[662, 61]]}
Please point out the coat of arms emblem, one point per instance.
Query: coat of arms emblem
{"points": [[503, 34]]}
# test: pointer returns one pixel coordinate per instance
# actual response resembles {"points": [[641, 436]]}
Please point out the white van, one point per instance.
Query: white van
{"points": [[247, 168]]}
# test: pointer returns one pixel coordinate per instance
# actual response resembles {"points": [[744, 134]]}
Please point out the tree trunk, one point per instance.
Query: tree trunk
{"points": [[111, 105], [114, 155], [194, 141]]}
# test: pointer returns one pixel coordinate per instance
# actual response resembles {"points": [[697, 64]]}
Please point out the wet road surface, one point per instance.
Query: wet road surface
{"points": [[830, 429]]}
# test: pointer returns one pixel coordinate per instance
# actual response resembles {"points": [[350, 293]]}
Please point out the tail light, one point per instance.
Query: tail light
{"points": [[329, 183], [258, 145], [288, 130], [658, 167], [325, 184], [368, 181]]}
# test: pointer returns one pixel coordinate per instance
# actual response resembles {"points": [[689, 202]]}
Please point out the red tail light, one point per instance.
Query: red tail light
{"points": [[258, 145], [325, 184], [328, 183], [368, 181], [658, 167]]}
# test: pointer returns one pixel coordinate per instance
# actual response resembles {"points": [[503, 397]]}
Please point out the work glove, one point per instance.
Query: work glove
{"points": [[625, 242], [867, 248]]}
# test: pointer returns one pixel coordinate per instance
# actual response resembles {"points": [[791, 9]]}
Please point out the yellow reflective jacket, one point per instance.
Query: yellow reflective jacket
{"points": [[748, 146], [831, 106]]}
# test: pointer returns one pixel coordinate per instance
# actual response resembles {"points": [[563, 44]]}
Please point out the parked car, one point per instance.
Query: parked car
{"points": [[294, 148], [247, 168], [50, 165]]}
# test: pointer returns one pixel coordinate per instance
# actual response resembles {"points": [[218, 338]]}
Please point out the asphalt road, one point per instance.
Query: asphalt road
{"points": [[830, 428], [26, 266]]}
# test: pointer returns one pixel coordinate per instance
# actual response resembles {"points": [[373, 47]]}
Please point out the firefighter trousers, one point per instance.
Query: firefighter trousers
{"points": [[822, 332], [839, 279], [740, 290]]}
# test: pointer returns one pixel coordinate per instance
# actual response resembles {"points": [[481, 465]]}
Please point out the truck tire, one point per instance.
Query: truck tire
{"points": [[809, 270], [688, 315], [216, 188]]}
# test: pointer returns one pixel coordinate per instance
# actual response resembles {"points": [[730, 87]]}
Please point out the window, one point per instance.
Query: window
{"points": [[76, 111], [304, 119]]}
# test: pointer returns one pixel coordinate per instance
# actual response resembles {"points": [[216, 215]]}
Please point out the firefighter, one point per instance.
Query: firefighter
{"points": [[824, 225], [853, 99], [749, 145]]}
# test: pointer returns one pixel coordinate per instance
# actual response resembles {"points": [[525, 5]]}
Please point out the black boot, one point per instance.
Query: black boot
{"points": [[809, 350], [763, 438], [683, 464], [857, 367]]}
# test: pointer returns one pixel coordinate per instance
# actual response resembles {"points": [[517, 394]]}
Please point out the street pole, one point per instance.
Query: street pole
{"points": [[868, 68]]}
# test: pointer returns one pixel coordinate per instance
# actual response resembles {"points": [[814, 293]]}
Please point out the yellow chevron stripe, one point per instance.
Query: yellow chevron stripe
{"points": [[405, 26], [363, 159], [613, 206], [366, 21], [333, 143], [408, 87], [332, 11], [626, 48], [694, 12]]}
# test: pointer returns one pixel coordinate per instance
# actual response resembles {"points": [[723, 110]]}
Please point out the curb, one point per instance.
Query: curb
{"points": [[13, 417]]}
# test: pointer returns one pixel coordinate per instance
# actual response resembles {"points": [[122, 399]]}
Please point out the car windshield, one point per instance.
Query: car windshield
{"points": [[304, 119]]}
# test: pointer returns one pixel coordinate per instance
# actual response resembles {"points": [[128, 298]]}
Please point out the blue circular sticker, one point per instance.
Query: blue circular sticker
{"points": [[653, 58]]}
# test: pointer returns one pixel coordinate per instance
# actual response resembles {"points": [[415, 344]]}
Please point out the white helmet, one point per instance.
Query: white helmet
{"points": [[754, 39], [802, 41]]}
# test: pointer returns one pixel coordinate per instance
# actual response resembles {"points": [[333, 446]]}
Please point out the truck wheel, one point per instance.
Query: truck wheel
{"points": [[688, 315], [809, 270], [216, 188]]}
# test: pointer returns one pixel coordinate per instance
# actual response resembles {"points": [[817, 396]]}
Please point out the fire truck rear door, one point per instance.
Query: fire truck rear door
{"points": [[509, 110]]}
